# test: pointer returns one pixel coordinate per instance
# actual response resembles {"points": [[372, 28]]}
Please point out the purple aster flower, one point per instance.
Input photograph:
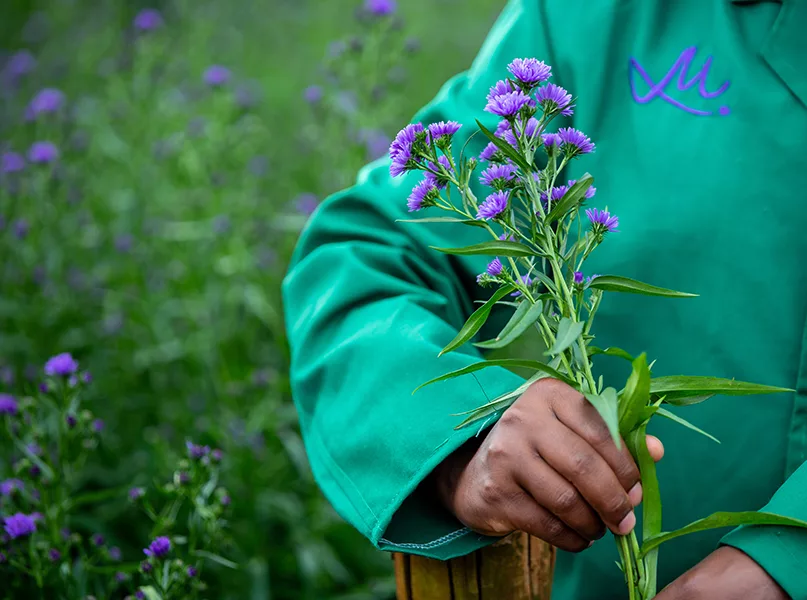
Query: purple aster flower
{"points": [[400, 151], [380, 8], [140, 595], [494, 268], [20, 228], [21, 63], [54, 555], [501, 88], [98, 539], [195, 451], [375, 141], [191, 571], [313, 94], [65, 533], [136, 493], [602, 221], [507, 105], [557, 193], [574, 141], [115, 553], [489, 152], [443, 128], [217, 455], [148, 19], [493, 206], [98, 425], [9, 486], [8, 405], [525, 279], [554, 98], [306, 203], [71, 420], [62, 365], [146, 567], [591, 278], [589, 192], [159, 547], [43, 152], [225, 500], [439, 181], [550, 139], [216, 76], [43, 388], [578, 277], [19, 525], [48, 100], [11, 162], [422, 195], [34, 449], [184, 478], [530, 71], [3, 558], [502, 127], [529, 132], [120, 577], [498, 176], [507, 237]]}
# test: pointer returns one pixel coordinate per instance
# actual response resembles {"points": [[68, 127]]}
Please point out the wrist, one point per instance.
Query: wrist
{"points": [[446, 476]]}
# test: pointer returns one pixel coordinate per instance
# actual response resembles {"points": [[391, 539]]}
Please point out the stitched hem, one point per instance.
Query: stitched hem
{"points": [[450, 537]]}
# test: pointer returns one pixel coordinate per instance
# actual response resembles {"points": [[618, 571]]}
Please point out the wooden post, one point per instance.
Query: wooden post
{"points": [[518, 567]]}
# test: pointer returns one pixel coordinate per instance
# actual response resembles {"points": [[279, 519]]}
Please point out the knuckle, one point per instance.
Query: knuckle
{"points": [[599, 436], [567, 499], [490, 493], [512, 417], [497, 450], [553, 529], [617, 506], [582, 463]]}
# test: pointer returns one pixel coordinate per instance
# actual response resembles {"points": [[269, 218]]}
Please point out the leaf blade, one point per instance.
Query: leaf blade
{"points": [[476, 320], [673, 417], [687, 386], [473, 222], [501, 362], [504, 147], [568, 332], [614, 283], [636, 395], [492, 248], [607, 406], [570, 198], [516, 326]]}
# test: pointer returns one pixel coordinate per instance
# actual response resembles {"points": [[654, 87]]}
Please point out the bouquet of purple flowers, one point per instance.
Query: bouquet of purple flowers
{"points": [[542, 235]]}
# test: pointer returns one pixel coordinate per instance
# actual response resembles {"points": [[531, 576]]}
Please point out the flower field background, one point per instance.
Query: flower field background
{"points": [[157, 164]]}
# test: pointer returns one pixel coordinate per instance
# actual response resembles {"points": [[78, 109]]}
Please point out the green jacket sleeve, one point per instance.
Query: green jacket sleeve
{"points": [[781, 551], [368, 308]]}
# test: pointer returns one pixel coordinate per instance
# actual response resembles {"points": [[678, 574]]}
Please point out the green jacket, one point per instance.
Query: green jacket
{"points": [[697, 108]]}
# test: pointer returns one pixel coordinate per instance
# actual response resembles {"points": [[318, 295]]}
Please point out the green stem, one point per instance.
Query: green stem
{"points": [[627, 564]]}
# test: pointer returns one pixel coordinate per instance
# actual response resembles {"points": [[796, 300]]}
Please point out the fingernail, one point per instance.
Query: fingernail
{"points": [[627, 524], [635, 494]]}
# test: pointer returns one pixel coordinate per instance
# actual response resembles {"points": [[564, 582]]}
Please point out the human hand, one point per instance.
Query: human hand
{"points": [[549, 467], [726, 574]]}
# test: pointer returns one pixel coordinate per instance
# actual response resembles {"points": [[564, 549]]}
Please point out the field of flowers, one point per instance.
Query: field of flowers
{"points": [[156, 166]]}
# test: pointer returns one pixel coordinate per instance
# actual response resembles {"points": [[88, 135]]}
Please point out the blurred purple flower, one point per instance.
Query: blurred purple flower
{"points": [[71, 420], [19, 64], [221, 224], [98, 425], [191, 571], [54, 555], [347, 102], [375, 141], [7, 375], [195, 451], [11, 162], [247, 95], [306, 203], [115, 553], [225, 500], [46, 101], [578, 277], [120, 577], [73, 380], [62, 365], [34, 449], [8, 405], [258, 165], [184, 478], [159, 547], [216, 76], [123, 243], [197, 126], [86, 377], [146, 567], [217, 455], [589, 192], [43, 388], [43, 152], [412, 45], [336, 48], [98, 539], [9, 486], [148, 19], [19, 525], [380, 7], [136, 493]]}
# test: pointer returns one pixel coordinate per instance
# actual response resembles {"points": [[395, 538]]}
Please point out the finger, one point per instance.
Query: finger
{"points": [[582, 418], [553, 492], [577, 461], [655, 448], [527, 516]]}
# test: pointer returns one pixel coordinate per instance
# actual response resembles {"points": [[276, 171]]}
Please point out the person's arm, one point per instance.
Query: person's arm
{"points": [[368, 308]]}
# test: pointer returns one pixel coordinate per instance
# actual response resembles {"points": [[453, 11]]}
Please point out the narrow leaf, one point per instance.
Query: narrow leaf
{"points": [[494, 248], [635, 396], [150, 592], [568, 332], [476, 320], [473, 222], [517, 325], [612, 351], [688, 386], [512, 363], [606, 404], [673, 417], [687, 400], [571, 198], [504, 147], [614, 283], [216, 558], [543, 278], [719, 520]]}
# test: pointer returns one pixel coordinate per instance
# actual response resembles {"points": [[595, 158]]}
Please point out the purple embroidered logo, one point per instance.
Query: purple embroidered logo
{"points": [[680, 68]]}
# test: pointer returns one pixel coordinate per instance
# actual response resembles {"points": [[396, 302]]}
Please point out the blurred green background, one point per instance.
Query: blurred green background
{"points": [[153, 248]]}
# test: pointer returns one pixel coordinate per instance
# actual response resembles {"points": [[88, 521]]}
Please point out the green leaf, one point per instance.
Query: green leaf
{"points": [[98, 496], [651, 503], [635, 397], [690, 386], [688, 401], [502, 362], [504, 147], [568, 332], [518, 324], [571, 198], [606, 404], [673, 417], [497, 404], [543, 278], [473, 222], [43, 467], [612, 351], [614, 283], [476, 320], [151, 593], [216, 558], [493, 248], [719, 520]]}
